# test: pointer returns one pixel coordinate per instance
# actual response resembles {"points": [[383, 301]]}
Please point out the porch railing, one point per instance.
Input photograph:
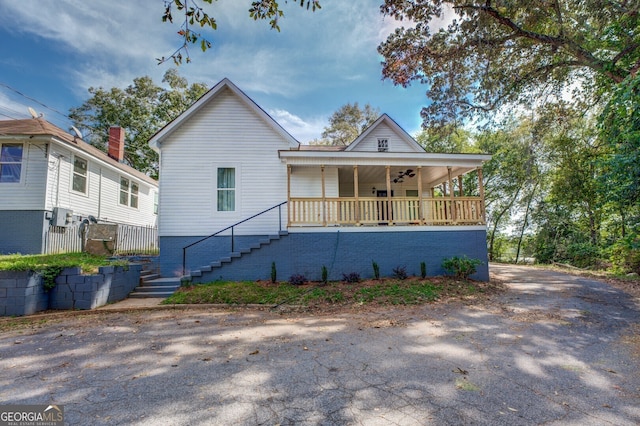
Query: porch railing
{"points": [[374, 210]]}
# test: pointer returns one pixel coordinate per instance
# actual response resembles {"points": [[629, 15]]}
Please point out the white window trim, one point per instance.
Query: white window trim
{"points": [[214, 194], [73, 172], [23, 161]]}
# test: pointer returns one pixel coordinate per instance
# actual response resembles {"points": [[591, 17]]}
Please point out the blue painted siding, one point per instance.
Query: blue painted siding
{"points": [[22, 231], [340, 252]]}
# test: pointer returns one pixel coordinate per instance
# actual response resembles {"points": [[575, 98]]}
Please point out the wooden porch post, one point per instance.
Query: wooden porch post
{"points": [[324, 199], [481, 192], [460, 189], [420, 209], [356, 193], [388, 170], [288, 195], [451, 191]]}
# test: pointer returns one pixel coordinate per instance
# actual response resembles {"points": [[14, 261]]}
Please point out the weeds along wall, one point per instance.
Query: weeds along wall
{"points": [[341, 252]]}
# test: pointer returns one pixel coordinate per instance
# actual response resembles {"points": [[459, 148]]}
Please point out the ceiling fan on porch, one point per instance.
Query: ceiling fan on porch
{"points": [[402, 174]]}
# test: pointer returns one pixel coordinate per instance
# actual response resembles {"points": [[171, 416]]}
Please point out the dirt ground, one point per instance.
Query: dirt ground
{"points": [[543, 348]]}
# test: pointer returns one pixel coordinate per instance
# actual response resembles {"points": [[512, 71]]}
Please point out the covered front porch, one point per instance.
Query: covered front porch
{"points": [[412, 189]]}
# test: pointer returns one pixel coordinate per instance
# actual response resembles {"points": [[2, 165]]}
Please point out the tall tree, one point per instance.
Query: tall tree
{"points": [[141, 109], [453, 140], [347, 123], [620, 132], [497, 52], [513, 178]]}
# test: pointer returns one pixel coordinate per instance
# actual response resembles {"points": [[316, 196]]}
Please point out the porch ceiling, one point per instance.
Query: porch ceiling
{"points": [[431, 176]]}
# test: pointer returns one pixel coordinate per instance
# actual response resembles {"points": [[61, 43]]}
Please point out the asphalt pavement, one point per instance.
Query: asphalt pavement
{"points": [[553, 349]]}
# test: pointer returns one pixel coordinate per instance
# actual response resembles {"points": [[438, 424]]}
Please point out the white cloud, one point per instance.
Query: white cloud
{"points": [[12, 109], [303, 130]]}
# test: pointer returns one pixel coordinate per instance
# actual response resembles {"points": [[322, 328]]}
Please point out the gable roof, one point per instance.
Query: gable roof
{"points": [[384, 118], [225, 83], [41, 127]]}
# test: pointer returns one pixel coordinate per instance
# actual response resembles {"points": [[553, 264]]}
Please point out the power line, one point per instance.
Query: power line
{"points": [[65, 116], [34, 100]]}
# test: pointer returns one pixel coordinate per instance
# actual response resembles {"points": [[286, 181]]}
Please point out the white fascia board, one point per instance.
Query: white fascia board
{"points": [[382, 159]]}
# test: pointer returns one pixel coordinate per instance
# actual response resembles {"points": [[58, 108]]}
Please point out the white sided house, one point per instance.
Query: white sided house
{"points": [[51, 180], [239, 196]]}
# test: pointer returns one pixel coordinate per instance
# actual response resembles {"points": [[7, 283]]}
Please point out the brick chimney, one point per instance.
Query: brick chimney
{"points": [[116, 143]]}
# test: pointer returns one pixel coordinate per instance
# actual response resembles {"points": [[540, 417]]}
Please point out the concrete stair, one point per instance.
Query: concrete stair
{"points": [[152, 285], [211, 268]]}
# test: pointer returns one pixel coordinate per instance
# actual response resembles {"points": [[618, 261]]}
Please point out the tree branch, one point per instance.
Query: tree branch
{"points": [[580, 53]]}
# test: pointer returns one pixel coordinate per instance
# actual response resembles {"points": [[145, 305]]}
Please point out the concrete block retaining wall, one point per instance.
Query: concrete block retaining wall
{"points": [[22, 292]]}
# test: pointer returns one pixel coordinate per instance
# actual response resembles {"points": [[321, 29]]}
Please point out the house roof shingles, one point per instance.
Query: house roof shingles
{"points": [[41, 127]]}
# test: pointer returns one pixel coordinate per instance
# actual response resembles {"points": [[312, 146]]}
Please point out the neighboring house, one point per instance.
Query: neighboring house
{"points": [[382, 199], [50, 178]]}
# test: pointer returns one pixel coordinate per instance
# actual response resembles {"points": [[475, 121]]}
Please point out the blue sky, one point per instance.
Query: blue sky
{"points": [[53, 51]]}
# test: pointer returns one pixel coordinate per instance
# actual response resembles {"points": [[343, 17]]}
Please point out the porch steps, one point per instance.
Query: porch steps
{"points": [[213, 266], [152, 285], [157, 287]]}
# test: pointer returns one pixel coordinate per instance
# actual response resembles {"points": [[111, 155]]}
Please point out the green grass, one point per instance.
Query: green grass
{"points": [[386, 292], [87, 262], [244, 292]]}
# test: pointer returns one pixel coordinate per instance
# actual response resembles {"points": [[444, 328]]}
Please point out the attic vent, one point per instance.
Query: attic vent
{"points": [[383, 145]]}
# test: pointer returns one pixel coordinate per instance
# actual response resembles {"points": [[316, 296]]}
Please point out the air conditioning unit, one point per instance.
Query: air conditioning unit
{"points": [[61, 217]]}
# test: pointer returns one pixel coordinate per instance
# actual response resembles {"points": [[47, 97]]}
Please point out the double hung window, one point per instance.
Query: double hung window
{"points": [[226, 189], [128, 193], [79, 182], [10, 162]]}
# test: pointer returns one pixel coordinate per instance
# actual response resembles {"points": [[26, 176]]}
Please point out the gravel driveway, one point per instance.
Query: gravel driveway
{"points": [[553, 349]]}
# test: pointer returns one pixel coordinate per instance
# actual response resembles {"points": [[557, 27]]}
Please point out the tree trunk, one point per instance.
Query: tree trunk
{"points": [[497, 221], [524, 223]]}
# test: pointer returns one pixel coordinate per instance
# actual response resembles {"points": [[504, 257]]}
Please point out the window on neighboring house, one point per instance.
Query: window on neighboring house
{"points": [[155, 202], [10, 162], [128, 193], [226, 189], [411, 192], [79, 183], [383, 145]]}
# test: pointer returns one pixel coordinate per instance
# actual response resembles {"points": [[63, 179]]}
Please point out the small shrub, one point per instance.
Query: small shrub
{"points": [[352, 277], [625, 255], [273, 272], [376, 270], [297, 279], [583, 255], [461, 267], [325, 274], [423, 270], [400, 272]]}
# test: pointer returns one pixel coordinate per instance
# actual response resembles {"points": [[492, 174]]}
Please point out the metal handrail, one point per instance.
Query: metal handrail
{"points": [[184, 249]]}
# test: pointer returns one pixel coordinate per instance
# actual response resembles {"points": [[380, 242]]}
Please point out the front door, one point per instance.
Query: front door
{"points": [[384, 214]]}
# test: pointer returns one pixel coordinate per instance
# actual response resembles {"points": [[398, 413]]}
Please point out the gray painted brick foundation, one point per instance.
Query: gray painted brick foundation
{"points": [[22, 293], [340, 251]]}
